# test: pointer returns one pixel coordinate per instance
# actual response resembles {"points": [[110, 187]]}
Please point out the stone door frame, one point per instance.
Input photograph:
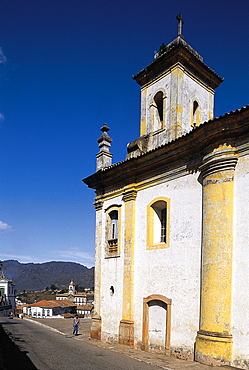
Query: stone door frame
{"points": [[145, 332]]}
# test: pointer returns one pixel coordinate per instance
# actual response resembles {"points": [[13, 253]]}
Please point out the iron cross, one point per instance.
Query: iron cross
{"points": [[180, 23]]}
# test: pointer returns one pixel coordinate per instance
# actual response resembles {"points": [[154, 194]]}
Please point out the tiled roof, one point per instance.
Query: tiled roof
{"points": [[66, 303], [53, 303], [45, 303], [75, 294], [85, 307], [234, 112]]}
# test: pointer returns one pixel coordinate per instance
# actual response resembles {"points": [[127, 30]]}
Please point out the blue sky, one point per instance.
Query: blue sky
{"points": [[66, 68]]}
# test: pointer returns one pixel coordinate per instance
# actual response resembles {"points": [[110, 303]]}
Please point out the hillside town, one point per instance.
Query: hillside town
{"points": [[64, 305]]}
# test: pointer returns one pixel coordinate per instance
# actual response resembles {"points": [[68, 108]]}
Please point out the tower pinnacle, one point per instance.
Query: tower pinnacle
{"points": [[104, 157]]}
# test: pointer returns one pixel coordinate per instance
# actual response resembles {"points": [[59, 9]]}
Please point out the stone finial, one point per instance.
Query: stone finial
{"points": [[104, 140], [104, 157]]}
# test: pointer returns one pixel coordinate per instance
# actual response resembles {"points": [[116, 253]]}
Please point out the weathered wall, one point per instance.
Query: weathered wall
{"points": [[180, 89], [173, 272], [240, 316], [111, 275]]}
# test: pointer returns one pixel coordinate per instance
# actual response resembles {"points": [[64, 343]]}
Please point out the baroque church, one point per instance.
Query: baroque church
{"points": [[172, 220]]}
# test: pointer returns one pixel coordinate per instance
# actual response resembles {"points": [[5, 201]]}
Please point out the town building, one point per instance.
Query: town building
{"points": [[85, 310], [7, 295], [172, 220], [83, 301], [49, 309]]}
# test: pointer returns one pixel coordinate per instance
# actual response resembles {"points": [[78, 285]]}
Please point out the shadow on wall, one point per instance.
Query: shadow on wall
{"points": [[11, 357]]}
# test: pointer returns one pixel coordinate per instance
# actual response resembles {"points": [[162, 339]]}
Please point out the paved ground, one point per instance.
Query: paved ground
{"points": [[64, 327]]}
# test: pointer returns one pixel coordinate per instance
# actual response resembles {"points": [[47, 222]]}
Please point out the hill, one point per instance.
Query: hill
{"points": [[38, 276]]}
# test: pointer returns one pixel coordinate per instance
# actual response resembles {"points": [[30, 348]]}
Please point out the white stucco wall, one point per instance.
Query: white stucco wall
{"points": [[111, 275], [240, 307], [38, 312], [173, 272]]}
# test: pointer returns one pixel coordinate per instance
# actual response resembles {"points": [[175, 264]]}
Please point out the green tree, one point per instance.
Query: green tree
{"points": [[53, 287]]}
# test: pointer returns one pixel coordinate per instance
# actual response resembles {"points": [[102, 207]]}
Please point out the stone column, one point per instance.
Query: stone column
{"points": [[126, 327], [96, 319], [214, 339]]}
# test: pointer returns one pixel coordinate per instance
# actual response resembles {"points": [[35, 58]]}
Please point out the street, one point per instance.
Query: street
{"points": [[40, 348]]}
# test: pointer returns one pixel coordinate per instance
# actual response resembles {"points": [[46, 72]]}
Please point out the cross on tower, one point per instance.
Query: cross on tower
{"points": [[180, 23]]}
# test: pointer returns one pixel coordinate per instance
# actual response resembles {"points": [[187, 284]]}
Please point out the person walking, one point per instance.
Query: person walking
{"points": [[76, 323]]}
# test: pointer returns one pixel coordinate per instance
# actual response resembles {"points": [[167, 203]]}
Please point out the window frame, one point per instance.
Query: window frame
{"points": [[156, 223], [112, 245]]}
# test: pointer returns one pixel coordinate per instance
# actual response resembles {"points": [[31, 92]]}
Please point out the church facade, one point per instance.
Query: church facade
{"points": [[172, 220]]}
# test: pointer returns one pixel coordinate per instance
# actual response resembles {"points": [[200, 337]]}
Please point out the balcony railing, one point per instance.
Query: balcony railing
{"points": [[113, 245]]}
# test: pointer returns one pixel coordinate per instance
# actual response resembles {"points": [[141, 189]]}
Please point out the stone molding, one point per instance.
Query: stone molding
{"points": [[224, 159], [98, 205], [129, 195]]}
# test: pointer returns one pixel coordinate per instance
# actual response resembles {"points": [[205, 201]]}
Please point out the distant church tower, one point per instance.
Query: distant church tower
{"points": [[71, 288], [177, 94]]}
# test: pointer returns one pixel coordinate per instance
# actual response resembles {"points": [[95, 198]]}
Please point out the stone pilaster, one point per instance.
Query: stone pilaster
{"points": [[214, 339], [126, 327], [176, 103], [96, 319]]}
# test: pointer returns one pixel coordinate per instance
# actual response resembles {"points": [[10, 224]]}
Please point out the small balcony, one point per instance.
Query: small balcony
{"points": [[113, 245]]}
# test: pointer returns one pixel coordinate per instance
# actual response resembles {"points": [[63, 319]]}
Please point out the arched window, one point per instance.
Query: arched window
{"points": [[195, 114], [158, 223], [158, 108], [112, 230], [159, 104]]}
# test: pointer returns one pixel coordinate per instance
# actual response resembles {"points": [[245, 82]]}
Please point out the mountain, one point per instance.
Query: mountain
{"points": [[38, 276]]}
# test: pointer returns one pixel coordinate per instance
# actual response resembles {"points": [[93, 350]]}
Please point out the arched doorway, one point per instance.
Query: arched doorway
{"points": [[156, 323]]}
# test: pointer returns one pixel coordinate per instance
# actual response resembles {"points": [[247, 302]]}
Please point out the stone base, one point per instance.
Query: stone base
{"points": [[184, 353], [213, 348], [126, 333], [96, 327]]}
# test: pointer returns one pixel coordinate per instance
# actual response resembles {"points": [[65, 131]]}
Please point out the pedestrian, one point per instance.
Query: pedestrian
{"points": [[76, 323]]}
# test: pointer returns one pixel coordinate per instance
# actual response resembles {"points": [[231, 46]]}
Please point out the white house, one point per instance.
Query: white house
{"points": [[7, 296], [85, 310], [47, 309]]}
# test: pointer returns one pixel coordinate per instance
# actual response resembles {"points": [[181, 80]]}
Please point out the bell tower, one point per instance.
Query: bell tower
{"points": [[177, 94], [71, 288]]}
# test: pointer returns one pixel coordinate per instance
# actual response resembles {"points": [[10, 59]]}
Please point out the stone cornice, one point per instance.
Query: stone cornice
{"points": [[178, 52]]}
